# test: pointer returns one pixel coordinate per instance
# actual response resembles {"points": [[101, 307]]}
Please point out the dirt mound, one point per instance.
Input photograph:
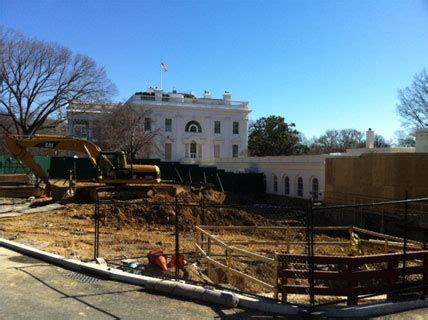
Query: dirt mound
{"points": [[160, 209], [138, 214]]}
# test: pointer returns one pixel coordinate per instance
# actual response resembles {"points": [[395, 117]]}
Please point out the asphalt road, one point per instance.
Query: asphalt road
{"points": [[32, 289]]}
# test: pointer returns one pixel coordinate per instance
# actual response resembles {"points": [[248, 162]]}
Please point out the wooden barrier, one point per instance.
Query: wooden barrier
{"points": [[342, 275], [348, 277], [229, 253]]}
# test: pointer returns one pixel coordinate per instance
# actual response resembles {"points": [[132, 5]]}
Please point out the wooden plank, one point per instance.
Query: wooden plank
{"points": [[384, 236], [242, 251], [318, 275], [221, 243], [255, 256], [379, 258], [327, 243], [386, 273], [206, 227], [358, 260], [200, 249], [356, 276], [392, 244], [327, 228]]}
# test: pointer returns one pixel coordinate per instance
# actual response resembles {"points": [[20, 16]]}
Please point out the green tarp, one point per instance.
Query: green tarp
{"points": [[59, 168]]}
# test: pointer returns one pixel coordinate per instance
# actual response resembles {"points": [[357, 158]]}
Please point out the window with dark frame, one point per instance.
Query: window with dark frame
{"points": [[235, 151], [147, 124], [168, 125], [300, 187], [287, 185], [315, 188], [217, 127], [235, 127]]}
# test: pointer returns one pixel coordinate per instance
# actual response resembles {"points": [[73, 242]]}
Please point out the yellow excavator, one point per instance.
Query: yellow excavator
{"points": [[112, 167]]}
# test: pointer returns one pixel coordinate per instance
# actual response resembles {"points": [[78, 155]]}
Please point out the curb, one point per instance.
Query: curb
{"points": [[166, 286]]}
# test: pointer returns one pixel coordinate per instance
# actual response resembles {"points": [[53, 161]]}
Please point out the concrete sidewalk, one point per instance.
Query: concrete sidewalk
{"points": [[32, 289]]}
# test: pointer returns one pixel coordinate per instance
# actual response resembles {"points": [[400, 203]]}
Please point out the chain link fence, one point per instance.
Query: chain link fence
{"points": [[386, 257], [315, 255], [228, 246]]}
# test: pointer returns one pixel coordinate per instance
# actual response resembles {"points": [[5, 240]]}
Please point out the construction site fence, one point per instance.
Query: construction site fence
{"points": [[9, 165], [399, 269], [193, 232], [282, 256], [60, 167]]}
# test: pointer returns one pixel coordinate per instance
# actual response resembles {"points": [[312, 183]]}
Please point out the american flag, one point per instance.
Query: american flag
{"points": [[164, 67]]}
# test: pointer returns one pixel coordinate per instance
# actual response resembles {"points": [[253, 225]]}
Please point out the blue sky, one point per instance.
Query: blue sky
{"points": [[321, 64]]}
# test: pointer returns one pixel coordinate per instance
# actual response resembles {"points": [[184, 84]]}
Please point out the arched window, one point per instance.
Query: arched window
{"points": [[193, 126], [275, 183], [286, 185], [315, 188], [300, 187]]}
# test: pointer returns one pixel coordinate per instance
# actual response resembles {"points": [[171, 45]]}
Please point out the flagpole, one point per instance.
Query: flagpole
{"points": [[161, 79]]}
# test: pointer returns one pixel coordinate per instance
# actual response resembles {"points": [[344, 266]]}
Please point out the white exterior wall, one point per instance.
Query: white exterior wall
{"points": [[307, 167], [422, 140]]}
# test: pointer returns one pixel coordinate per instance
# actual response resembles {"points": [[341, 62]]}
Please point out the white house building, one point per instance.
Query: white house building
{"points": [[190, 127], [185, 126]]}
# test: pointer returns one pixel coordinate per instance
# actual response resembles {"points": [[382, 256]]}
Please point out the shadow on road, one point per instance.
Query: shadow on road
{"points": [[65, 295]]}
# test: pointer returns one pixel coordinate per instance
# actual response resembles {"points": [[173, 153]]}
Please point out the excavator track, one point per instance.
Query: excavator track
{"points": [[116, 192]]}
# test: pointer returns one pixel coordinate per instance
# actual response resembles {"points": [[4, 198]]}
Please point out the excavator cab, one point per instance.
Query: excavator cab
{"points": [[120, 170], [118, 161]]}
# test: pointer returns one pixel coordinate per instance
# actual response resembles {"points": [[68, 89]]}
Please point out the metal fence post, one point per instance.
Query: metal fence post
{"points": [[177, 241], [97, 228], [202, 211], [405, 237], [310, 243]]}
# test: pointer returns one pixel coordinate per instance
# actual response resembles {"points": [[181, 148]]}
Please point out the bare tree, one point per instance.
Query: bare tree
{"points": [[5, 124], [413, 106], [381, 142], [38, 79], [337, 141], [351, 138], [126, 129], [404, 139]]}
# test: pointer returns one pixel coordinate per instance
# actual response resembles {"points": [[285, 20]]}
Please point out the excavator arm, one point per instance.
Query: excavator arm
{"points": [[18, 146]]}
